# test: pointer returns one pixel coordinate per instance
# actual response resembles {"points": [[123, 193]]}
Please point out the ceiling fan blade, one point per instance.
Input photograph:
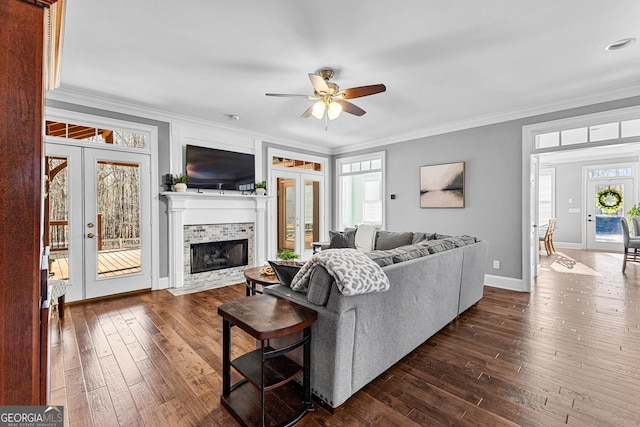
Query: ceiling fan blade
{"points": [[357, 92], [307, 112], [350, 108], [318, 83], [285, 94]]}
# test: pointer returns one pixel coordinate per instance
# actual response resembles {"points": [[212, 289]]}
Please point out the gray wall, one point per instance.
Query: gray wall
{"points": [[569, 186], [164, 140], [493, 183]]}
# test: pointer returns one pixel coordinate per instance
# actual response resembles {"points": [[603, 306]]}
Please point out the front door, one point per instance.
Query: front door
{"points": [[98, 220], [604, 231]]}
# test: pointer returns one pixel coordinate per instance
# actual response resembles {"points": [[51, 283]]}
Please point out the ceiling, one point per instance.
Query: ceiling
{"points": [[446, 65]]}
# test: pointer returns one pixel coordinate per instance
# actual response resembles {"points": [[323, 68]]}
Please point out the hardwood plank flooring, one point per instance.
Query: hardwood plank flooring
{"points": [[568, 353]]}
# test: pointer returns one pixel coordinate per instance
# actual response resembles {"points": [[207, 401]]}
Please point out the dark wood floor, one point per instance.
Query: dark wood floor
{"points": [[568, 353]]}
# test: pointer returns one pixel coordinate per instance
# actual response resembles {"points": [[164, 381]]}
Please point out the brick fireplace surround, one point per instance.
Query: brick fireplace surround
{"points": [[210, 216]]}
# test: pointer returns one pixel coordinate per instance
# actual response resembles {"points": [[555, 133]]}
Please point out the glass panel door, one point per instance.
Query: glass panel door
{"points": [[117, 222], [299, 211], [287, 214], [604, 231]]}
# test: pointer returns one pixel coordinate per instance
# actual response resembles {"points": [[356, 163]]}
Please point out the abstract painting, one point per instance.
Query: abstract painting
{"points": [[442, 186]]}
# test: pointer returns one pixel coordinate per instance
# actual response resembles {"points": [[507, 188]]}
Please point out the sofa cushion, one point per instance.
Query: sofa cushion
{"points": [[319, 286], [285, 272], [421, 237], [460, 241], [407, 253], [342, 239], [435, 246], [392, 239], [382, 258]]}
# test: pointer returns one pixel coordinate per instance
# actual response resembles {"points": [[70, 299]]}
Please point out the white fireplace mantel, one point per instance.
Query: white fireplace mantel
{"points": [[192, 208]]}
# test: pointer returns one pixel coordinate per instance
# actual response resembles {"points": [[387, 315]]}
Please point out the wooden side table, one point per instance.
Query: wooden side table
{"points": [[253, 278], [267, 395]]}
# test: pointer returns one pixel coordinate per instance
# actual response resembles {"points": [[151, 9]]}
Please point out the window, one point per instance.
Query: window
{"points": [[119, 137], [546, 195], [594, 133], [361, 190]]}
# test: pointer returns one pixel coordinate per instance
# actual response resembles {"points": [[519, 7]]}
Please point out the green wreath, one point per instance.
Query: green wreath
{"points": [[609, 200]]}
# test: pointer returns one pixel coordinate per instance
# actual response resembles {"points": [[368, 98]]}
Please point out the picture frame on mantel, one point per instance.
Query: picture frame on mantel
{"points": [[442, 185]]}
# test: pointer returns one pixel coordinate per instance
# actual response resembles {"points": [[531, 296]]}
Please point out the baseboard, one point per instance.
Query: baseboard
{"points": [[504, 282], [163, 283], [567, 245]]}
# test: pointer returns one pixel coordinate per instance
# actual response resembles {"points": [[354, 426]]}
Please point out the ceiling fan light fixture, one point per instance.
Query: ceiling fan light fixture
{"points": [[334, 110], [318, 110]]}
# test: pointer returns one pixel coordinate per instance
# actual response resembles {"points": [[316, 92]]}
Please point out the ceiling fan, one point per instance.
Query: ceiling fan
{"points": [[332, 100]]}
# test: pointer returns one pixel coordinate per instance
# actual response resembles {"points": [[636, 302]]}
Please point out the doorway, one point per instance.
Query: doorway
{"points": [[98, 219], [299, 210]]}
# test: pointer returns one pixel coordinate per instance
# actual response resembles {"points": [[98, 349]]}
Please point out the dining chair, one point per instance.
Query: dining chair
{"points": [[548, 237], [629, 243]]}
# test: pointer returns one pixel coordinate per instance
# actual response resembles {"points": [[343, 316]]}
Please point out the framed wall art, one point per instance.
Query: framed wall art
{"points": [[442, 186]]}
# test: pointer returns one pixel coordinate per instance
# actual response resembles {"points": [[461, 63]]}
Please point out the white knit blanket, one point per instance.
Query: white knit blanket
{"points": [[354, 272]]}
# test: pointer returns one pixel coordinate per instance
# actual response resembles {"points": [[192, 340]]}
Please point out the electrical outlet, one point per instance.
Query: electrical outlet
{"points": [[496, 264]]}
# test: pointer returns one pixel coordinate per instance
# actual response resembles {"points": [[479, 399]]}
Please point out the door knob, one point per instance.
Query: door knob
{"points": [[91, 235], [90, 225]]}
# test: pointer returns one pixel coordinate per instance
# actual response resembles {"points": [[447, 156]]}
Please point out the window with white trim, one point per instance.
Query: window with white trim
{"points": [[360, 190], [546, 195]]}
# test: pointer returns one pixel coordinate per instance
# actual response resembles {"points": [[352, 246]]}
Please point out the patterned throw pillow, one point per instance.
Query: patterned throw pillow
{"points": [[285, 273]]}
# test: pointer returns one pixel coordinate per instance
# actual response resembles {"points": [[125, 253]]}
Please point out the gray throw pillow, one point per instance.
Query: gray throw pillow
{"points": [[320, 284], [342, 239], [285, 273], [435, 246], [422, 237], [407, 253], [382, 258], [392, 239]]}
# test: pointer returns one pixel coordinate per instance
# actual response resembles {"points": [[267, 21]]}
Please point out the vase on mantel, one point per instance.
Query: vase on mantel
{"points": [[260, 191], [180, 187]]}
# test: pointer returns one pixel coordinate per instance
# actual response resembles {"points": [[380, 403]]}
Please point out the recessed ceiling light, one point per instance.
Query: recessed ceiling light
{"points": [[620, 44]]}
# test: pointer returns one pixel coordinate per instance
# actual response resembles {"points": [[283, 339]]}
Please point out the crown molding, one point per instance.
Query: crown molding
{"points": [[71, 95], [613, 94]]}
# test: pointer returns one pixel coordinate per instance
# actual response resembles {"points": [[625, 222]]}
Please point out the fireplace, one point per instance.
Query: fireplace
{"points": [[212, 256]]}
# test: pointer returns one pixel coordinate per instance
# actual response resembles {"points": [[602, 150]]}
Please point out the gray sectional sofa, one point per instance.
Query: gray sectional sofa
{"points": [[356, 338]]}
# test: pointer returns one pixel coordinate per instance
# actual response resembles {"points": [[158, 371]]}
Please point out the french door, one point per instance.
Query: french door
{"points": [[299, 210], [604, 231], [98, 221]]}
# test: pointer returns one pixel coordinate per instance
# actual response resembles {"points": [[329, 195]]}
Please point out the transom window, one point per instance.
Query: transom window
{"points": [[119, 137], [593, 133], [609, 172], [283, 162]]}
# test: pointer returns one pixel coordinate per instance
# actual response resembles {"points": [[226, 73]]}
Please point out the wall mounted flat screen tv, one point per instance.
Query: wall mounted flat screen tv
{"points": [[220, 169]]}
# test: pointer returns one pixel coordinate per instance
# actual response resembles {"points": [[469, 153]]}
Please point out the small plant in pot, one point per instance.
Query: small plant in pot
{"points": [[180, 183], [261, 188], [288, 257]]}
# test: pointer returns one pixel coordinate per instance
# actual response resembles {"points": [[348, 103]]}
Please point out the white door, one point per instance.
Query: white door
{"points": [[604, 231], [299, 212], [534, 227], [102, 245]]}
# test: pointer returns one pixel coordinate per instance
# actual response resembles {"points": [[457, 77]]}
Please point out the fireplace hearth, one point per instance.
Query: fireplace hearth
{"points": [[211, 256]]}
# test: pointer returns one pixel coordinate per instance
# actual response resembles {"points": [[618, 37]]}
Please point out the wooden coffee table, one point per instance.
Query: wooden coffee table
{"points": [[267, 371], [253, 277]]}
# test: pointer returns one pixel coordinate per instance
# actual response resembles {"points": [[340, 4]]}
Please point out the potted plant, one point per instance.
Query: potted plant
{"points": [[261, 188], [288, 257], [180, 183], [634, 211]]}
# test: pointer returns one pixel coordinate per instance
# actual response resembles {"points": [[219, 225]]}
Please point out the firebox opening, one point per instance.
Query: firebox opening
{"points": [[219, 255]]}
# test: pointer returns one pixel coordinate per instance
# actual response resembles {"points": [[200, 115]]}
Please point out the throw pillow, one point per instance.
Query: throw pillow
{"points": [[285, 273], [320, 284], [342, 239], [392, 239], [365, 238]]}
